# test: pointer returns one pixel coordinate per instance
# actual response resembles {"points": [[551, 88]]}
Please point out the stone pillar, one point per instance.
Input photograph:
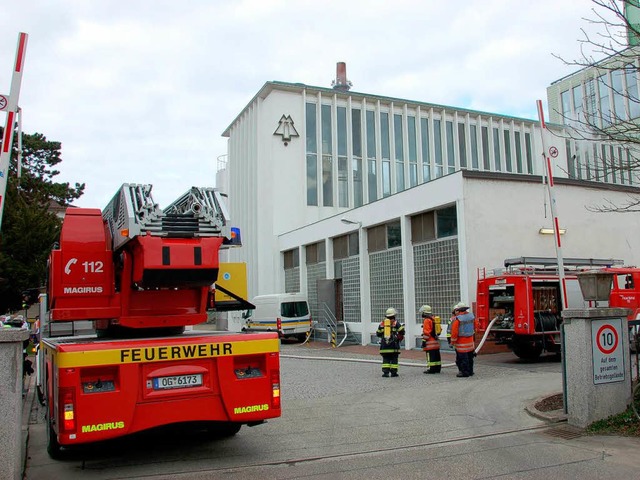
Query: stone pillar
{"points": [[596, 362], [11, 405]]}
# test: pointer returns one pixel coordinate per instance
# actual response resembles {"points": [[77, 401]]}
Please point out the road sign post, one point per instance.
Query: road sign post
{"points": [[11, 107]]}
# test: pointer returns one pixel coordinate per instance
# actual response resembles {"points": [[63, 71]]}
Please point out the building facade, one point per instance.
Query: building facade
{"points": [[365, 202]]}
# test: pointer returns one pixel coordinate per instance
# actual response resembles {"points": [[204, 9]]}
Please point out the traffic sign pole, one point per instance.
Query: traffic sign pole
{"points": [[12, 110], [552, 151]]}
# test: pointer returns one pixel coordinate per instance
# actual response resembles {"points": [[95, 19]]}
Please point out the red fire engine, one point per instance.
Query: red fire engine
{"points": [[140, 275], [521, 303]]}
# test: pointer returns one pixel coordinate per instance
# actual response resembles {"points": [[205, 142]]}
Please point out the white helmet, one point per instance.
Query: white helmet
{"points": [[461, 306], [425, 309], [391, 312]]}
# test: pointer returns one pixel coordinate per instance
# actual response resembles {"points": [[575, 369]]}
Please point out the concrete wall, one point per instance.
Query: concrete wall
{"points": [[11, 453]]}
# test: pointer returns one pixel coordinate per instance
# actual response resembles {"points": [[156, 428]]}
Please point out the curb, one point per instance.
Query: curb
{"points": [[553, 416]]}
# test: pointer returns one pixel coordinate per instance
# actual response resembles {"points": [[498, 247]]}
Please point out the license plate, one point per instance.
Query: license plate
{"points": [[177, 381]]}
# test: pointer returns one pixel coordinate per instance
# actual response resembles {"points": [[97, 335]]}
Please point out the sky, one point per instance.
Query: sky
{"points": [[140, 91]]}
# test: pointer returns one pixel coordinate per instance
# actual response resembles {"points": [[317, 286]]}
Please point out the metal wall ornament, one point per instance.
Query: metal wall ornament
{"points": [[286, 129]]}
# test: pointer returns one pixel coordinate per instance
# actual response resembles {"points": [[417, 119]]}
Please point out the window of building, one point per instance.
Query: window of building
{"points": [[451, 154], [394, 235], [315, 253], [486, 160], [346, 246], [596, 169], [312, 155], [605, 103], [631, 77], [423, 227], [565, 99], [291, 259], [343, 165], [577, 104], [518, 151], [527, 151], [496, 149], [384, 237], [507, 151], [426, 159], [356, 134], [474, 147], [447, 222], [327, 157], [603, 159], [399, 152], [617, 89], [386, 154], [371, 156], [613, 159], [437, 146], [570, 160], [413, 151], [590, 102], [462, 145]]}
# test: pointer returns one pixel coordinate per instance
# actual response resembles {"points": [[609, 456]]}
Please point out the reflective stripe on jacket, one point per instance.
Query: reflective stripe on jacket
{"points": [[392, 344], [463, 324], [428, 335]]}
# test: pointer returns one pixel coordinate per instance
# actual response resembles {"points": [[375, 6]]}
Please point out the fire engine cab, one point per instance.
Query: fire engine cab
{"points": [[521, 303], [138, 275]]}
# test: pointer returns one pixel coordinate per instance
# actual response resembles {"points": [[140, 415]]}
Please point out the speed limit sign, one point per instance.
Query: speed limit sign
{"points": [[608, 354]]}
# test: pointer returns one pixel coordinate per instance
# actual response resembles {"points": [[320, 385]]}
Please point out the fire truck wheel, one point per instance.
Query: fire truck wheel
{"points": [[54, 449], [527, 350]]}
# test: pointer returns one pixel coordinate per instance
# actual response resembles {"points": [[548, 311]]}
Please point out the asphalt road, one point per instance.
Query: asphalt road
{"points": [[342, 420]]}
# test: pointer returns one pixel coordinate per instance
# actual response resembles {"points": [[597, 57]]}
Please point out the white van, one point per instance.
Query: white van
{"points": [[286, 313]]}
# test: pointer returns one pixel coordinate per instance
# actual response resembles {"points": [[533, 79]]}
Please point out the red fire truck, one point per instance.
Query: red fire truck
{"points": [[523, 301], [139, 275]]}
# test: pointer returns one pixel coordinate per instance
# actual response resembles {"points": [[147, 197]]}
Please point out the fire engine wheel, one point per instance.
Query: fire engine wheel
{"points": [[40, 393], [527, 350], [54, 449]]}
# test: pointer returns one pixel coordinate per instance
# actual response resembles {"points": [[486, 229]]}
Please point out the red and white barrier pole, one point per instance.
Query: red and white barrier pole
{"points": [[10, 105], [551, 151]]}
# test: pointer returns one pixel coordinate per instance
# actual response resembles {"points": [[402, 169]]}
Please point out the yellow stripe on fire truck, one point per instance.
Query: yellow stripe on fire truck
{"points": [[164, 353]]}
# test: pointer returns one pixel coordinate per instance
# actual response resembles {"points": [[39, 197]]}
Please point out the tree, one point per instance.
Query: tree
{"points": [[603, 116], [30, 226]]}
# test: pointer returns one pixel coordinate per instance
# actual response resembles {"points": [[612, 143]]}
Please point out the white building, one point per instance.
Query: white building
{"points": [[366, 202]]}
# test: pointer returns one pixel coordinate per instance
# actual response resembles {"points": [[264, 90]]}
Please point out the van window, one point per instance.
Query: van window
{"points": [[294, 309]]}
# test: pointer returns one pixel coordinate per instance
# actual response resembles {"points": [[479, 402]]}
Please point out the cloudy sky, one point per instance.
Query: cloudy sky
{"points": [[140, 91]]}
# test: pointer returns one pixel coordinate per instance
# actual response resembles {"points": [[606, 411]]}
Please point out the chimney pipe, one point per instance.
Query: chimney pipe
{"points": [[341, 82]]}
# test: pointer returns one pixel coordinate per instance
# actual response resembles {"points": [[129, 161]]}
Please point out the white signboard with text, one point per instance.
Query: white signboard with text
{"points": [[608, 354]]}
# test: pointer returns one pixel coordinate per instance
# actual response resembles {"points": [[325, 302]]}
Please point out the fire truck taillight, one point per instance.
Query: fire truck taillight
{"points": [[67, 410], [275, 386]]}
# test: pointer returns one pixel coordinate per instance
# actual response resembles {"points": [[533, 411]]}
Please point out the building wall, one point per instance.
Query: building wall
{"points": [[505, 219], [499, 214]]}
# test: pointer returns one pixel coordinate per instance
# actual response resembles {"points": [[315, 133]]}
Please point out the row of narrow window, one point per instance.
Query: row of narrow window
{"points": [[478, 148], [603, 101]]}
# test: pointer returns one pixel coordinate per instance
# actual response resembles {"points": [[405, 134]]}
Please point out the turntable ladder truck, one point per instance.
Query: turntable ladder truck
{"points": [[140, 275]]}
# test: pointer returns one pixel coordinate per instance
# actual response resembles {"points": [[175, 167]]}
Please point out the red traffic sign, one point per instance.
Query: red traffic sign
{"points": [[553, 151], [607, 339], [4, 101]]}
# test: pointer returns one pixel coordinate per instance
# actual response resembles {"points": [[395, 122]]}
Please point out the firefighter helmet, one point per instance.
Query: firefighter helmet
{"points": [[460, 306], [391, 312], [425, 309]]}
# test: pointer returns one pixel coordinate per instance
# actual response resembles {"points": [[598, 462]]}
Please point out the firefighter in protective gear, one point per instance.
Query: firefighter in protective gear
{"points": [[463, 327], [391, 333], [430, 343]]}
